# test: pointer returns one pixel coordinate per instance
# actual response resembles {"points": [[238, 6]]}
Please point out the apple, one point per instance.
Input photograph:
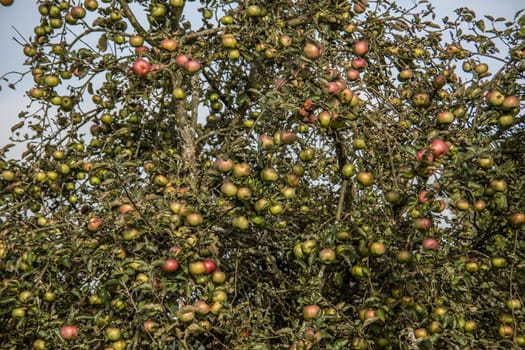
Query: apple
{"points": [[244, 193], [94, 224], [359, 63], [186, 314], [224, 165], [219, 296], [445, 117], [194, 219], [494, 98], [421, 99], [505, 331], [18, 312], [377, 248], [311, 312], [348, 170], [430, 244], [39, 344], [269, 174], [169, 44], [170, 265], [6, 2], [192, 66], [393, 197], [210, 265], [405, 74], [422, 223], [352, 74], [438, 147], [288, 137], [218, 277], [125, 208], [327, 256], [69, 332], [361, 48], [266, 141], [517, 218], [253, 11], [197, 268], [201, 307], [181, 60], [513, 304], [424, 154], [149, 326], [229, 41], [241, 169], [421, 333], [486, 162], [141, 67], [439, 81], [498, 185], [113, 333], [364, 178], [480, 205], [510, 102], [404, 256], [470, 326], [312, 50]]}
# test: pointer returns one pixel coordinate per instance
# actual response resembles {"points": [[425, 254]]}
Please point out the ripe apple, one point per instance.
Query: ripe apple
{"points": [[69, 332], [364, 178], [6, 2], [169, 44], [210, 265], [438, 147], [311, 312], [141, 67], [224, 165], [359, 63], [405, 74], [181, 60], [288, 137], [517, 218], [241, 169], [505, 331], [510, 102], [430, 244], [445, 117], [421, 99], [361, 48], [94, 224], [192, 66], [352, 74], [312, 50], [170, 265], [149, 326], [201, 307]]}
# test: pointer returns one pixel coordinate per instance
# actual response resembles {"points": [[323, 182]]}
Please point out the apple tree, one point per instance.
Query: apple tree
{"points": [[238, 174]]}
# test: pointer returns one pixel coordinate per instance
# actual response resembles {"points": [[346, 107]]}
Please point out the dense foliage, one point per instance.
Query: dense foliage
{"points": [[281, 174]]}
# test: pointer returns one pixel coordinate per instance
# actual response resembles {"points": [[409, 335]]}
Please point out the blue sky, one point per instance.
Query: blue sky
{"points": [[23, 16]]}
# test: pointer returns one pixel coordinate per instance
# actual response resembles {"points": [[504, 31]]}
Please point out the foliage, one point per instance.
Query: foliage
{"points": [[284, 175]]}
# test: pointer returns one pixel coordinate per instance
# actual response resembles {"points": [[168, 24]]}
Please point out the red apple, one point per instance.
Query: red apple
{"points": [[352, 74], [170, 265], [422, 223], [181, 59], [94, 224], [141, 67], [438, 147], [311, 311], [361, 48], [192, 66], [359, 63], [69, 332], [430, 244], [495, 98], [224, 165], [210, 265]]}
